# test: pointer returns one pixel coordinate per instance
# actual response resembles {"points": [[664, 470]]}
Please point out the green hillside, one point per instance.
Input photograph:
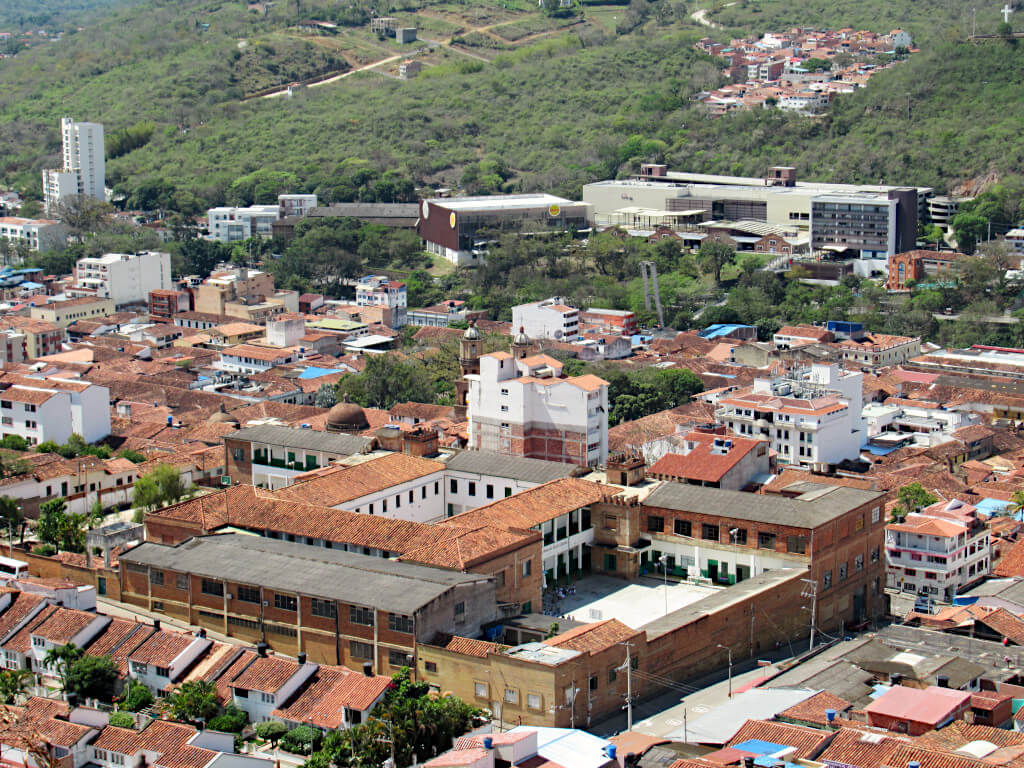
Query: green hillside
{"points": [[567, 108]]}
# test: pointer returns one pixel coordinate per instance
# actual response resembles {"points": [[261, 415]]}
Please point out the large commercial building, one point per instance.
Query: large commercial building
{"points": [[228, 223], [883, 220], [83, 172], [127, 278], [460, 228], [523, 406]]}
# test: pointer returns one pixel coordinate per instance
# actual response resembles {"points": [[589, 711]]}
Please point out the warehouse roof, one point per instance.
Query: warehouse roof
{"points": [[512, 467], [307, 439], [300, 568], [816, 505]]}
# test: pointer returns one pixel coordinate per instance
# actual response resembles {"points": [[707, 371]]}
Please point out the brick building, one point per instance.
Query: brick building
{"points": [[337, 607], [834, 534], [919, 265]]}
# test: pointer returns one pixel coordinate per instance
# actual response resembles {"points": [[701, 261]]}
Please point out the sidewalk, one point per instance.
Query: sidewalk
{"points": [[132, 613]]}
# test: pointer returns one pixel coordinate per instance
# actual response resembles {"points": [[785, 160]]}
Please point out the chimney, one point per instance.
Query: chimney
{"points": [[302, 657], [156, 624], [72, 700], [201, 633], [368, 669], [261, 650]]}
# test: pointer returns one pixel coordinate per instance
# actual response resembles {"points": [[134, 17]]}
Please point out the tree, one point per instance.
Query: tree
{"points": [[162, 486], [714, 255], [911, 498], [232, 720], [135, 457], [194, 701], [14, 443], [14, 685], [1017, 503], [271, 730], [122, 720], [52, 519], [60, 658], [10, 514], [82, 215], [387, 380], [299, 740], [137, 697], [969, 228], [92, 677], [326, 396]]}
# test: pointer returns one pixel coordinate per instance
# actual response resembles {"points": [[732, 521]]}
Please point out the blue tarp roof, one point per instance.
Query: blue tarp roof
{"points": [[760, 747], [991, 506], [721, 329], [30, 284], [313, 372], [878, 450]]}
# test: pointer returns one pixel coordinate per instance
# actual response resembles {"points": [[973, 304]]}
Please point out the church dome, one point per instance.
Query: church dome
{"points": [[221, 416], [521, 339], [472, 333], [346, 417]]}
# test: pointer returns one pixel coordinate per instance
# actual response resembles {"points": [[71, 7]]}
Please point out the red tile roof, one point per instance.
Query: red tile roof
{"points": [[329, 692], [536, 505], [813, 710], [593, 638], [161, 648], [706, 462], [806, 742], [266, 674], [865, 748], [332, 486], [62, 625]]}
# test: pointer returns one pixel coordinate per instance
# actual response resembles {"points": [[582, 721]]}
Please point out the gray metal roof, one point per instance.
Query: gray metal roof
{"points": [[304, 569], [513, 467], [370, 210], [818, 504], [307, 439]]}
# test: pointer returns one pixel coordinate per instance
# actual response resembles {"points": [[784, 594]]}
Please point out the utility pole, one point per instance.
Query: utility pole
{"points": [[728, 650], [629, 686], [664, 569], [811, 591]]}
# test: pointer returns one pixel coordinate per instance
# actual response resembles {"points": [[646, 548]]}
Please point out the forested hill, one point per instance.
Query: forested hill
{"points": [[28, 14], [543, 103]]}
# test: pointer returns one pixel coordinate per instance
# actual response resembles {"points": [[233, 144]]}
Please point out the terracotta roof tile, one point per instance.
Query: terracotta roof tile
{"points": [[329, 692], [807, 742], [536, 505], [864, 748], [333, 485], [593, 638], [161, 648], [61, 626], [705, 462], [812, 710], [266, 674]]}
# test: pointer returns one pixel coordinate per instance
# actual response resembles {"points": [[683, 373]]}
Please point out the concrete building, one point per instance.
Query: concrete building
{"points": [[337, 607], [38, 234], [939, 550], [459, 228], [612, 319], [42, 409], [83, 171], [64, 313], [524, 406], [714, 459], [473, 478], [921, 265], [228, 224], [270, 456], [381, 291], [164, 304], [250, 358], [248, 294], [296, 205], [812, 416], [126, 278], [873, 227], [547, 319]]}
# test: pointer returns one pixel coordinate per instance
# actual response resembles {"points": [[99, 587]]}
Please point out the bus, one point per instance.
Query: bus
{"points": [[11, 569]]}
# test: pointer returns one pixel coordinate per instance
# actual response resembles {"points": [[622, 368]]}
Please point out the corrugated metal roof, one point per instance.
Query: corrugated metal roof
{"points": [[513, 467], [307, 439]]}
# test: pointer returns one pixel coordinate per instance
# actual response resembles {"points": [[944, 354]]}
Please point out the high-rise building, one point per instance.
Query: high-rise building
{"points": [[84, 167]]}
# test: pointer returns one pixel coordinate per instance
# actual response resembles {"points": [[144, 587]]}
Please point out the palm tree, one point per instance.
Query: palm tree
{"points": [[60, 658], [14, 684], [1017, 503]]}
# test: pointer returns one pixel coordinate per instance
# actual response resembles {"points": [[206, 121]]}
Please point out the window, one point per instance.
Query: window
{"points": [[876, 514], [285, 602], [140, 669], [592, 683], [683, 528], [156, 577], [398, 502], [398, 658], [248, 594], [499, 579], [511, 696], [527, 567], [359, 615], [858, 562], [472, 489], [237, 454], [796, 544], [709, 532], [423, 492], [826, 581], [359, 650], [612, 674], [874, 555], [533, 701], [181, 581], [460, 613], [399, 623], [480, 690], [655, 524], [116, 759], [430, 666], [210, 587], [490, 491], [99, 754], [843, 569], [327, 609]]}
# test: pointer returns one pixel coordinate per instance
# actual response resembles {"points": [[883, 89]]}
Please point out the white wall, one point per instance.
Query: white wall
{"points": [[422, 509]]}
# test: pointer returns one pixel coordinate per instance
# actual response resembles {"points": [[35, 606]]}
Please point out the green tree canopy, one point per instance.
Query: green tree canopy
{"points": [[911, 498], [93, 677], [195, 700]]}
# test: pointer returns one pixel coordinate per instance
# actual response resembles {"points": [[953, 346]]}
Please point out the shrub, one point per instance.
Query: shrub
{"points": [[271, 730], [138, 697], [122, 719], [232, 720], [298, 740], [45, 550]]}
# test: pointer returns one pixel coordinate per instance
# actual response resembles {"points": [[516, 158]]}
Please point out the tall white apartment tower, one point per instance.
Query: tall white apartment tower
{"points": [[84, 166]]}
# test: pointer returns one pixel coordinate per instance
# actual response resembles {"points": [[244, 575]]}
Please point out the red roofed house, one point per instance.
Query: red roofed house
{"points": [[915, 711], [938, 550], [798, 335], [714, 459]]}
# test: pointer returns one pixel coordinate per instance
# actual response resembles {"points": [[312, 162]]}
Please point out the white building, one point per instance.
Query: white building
{"points": [[525, 407], [127, 278], [286, 330], [812, 416], [939, 550], [39, 234], [381, 291], [908, 422], [296, 205], [268, 683], [50, 409], [228, 224], [474, 478], [63, 626], [548, 319], [250, 359], [84, 166], [165, 656]]}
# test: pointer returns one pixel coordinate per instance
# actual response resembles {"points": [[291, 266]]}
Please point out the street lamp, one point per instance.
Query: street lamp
{"points": [[728, 650], [664, 569]]}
